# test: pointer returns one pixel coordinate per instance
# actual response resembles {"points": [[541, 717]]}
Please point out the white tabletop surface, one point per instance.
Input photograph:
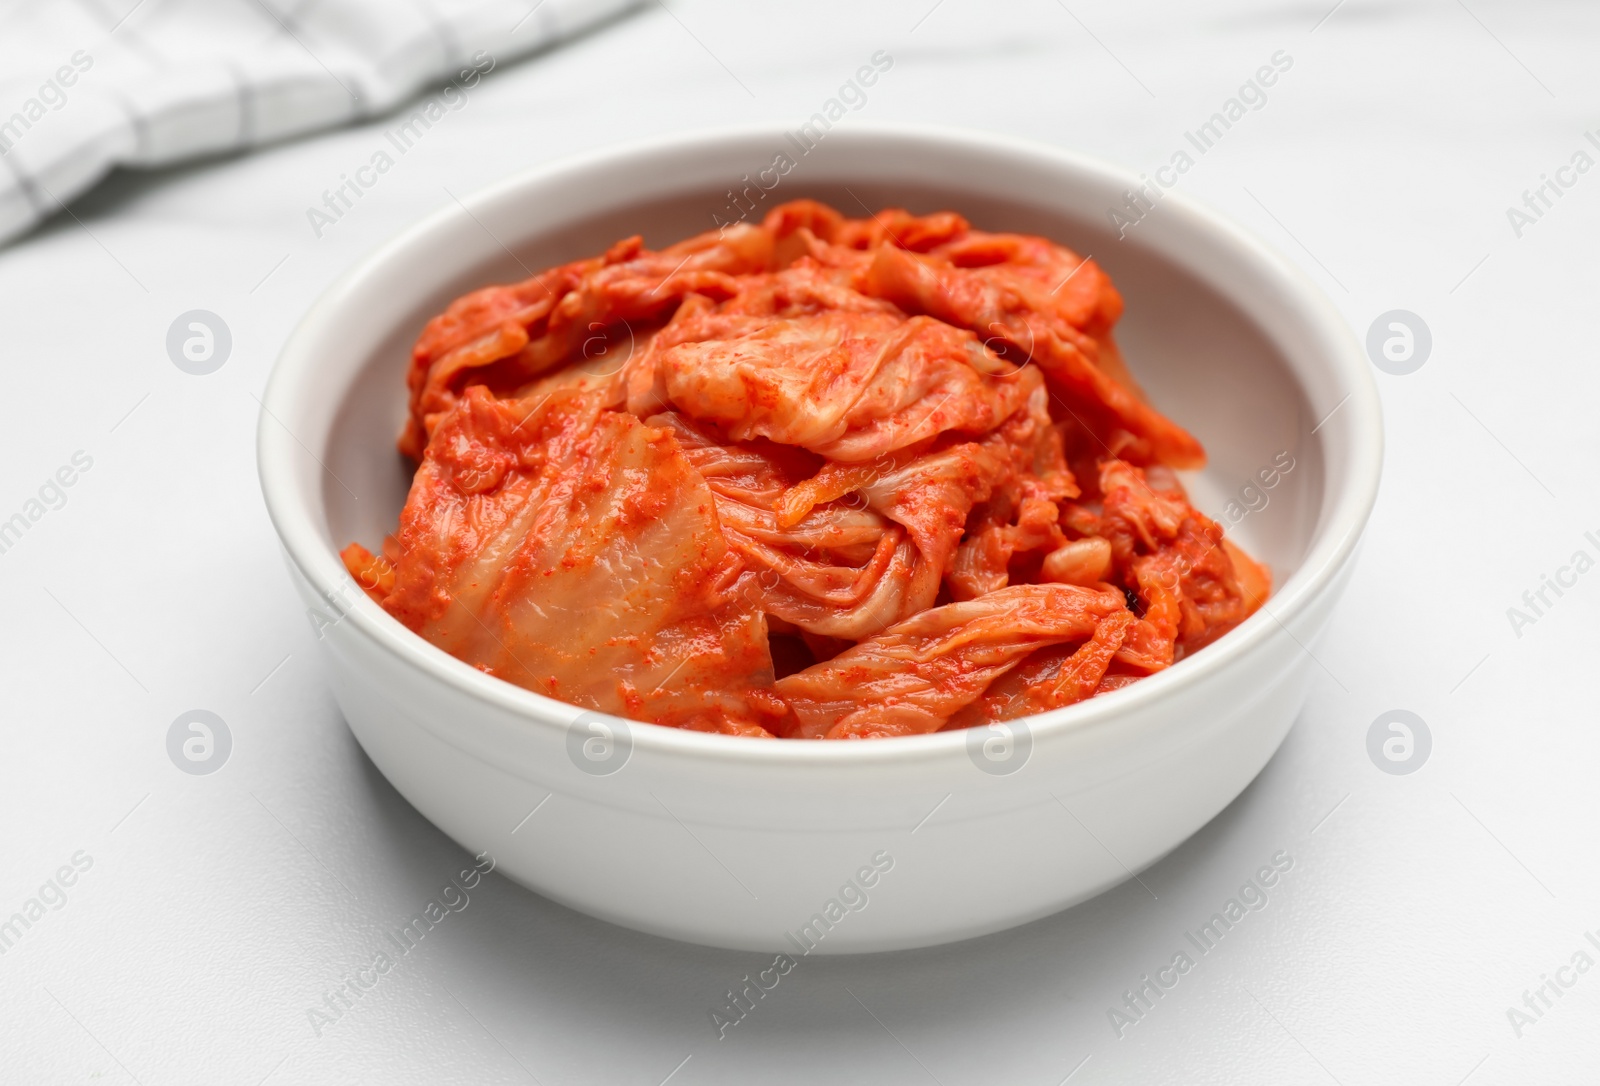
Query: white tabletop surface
{"points": [[210, 913]]}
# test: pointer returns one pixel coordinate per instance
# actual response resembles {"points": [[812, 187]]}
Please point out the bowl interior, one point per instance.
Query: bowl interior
{"points": [[1201, 358]]}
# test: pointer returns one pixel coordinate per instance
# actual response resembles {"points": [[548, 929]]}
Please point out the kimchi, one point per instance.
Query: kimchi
{"points": [[817, 478]]}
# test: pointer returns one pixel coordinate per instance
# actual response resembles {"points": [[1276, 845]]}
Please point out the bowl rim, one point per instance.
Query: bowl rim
{"points": [[295, 510]]}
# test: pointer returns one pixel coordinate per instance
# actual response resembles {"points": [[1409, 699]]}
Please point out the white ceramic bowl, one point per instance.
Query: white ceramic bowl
{"points": [[850, 846]]}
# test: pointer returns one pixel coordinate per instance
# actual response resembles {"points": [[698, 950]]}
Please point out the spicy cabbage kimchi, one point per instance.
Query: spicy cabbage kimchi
{"points": [[818, 478]]}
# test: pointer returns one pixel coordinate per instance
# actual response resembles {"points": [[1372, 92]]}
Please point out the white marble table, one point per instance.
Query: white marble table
{"points": [[209, 914]]}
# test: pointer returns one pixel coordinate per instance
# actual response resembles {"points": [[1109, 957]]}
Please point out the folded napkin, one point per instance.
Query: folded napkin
{"points": [[88, 85]]}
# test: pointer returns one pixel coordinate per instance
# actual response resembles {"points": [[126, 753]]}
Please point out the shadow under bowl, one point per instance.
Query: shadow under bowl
{"points": [[838, 847]]}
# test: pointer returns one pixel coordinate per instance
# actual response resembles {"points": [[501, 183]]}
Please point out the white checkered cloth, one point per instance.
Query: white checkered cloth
{"points": [[89, 85]]}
